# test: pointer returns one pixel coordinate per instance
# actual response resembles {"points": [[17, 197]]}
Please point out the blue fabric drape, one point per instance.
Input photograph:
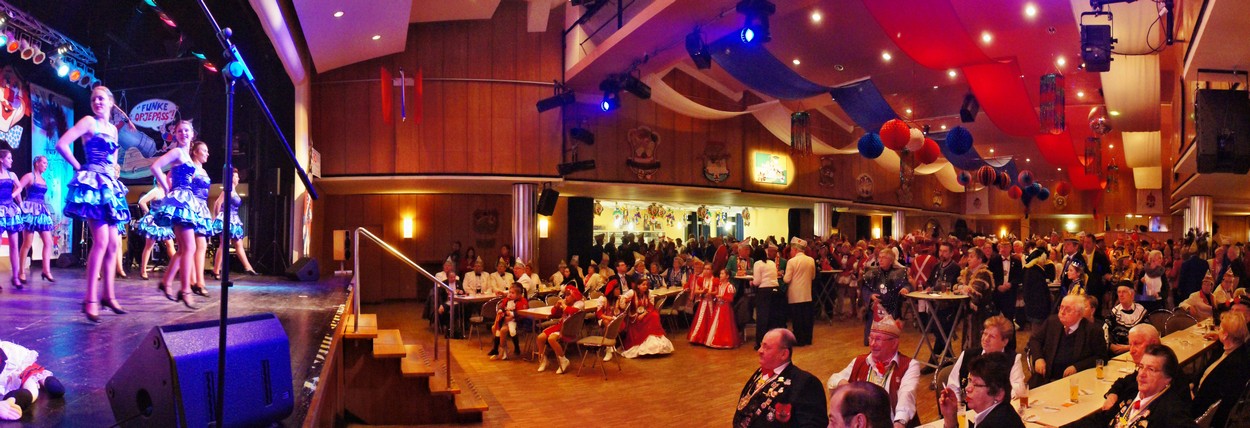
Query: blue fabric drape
{"points": [[864, 104], [756, 67]]}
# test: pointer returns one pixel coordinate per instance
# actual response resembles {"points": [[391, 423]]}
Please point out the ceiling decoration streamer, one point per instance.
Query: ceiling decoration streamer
{"points": [[1052, 104], [758, 69], [800, 133]]}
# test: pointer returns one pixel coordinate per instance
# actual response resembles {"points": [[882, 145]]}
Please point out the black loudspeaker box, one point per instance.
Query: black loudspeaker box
{"points": [[170, 379], [1222, 123], [547, 202], [304, 269]]}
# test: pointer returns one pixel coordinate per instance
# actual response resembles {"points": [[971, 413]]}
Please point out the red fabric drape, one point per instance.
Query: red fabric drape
{"points": [[388, 115], [1003, 96]]}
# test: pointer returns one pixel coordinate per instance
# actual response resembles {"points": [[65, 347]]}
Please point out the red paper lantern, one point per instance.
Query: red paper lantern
{"points": [[894, 134], [929, 152], [986, 175], [1063, 188], [1003, 181], [1014, 192]]}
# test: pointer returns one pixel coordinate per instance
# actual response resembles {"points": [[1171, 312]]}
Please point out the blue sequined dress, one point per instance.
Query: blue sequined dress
{"points": [[185, 205], [93, 193], [236, 223], [148, 228], [37, 211], [12, 219]]}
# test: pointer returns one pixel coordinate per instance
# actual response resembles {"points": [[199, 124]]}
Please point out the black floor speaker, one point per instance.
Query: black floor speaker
{"points": [[170, 379], [304, 269]]}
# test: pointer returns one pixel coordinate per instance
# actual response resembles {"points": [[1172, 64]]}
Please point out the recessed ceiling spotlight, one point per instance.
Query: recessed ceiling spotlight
{"points": [[816, 17], [1114, 113], [1059, 169], [1028, 160], [838, 67], [943, 126], [338, 14], [886, 56], [908, 111], [1080, 94], [1030, 10], [1111, 146], [377, 36], [986, 37], [935, 86], [951, 73], [1061, 61], [796, 61]]}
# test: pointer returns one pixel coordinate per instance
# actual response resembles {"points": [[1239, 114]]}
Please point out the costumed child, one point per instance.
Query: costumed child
{"points": [[611, 306], [505, 322], [564, 309], [20, 380]]}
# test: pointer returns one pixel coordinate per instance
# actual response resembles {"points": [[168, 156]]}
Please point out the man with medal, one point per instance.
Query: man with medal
{"points": [[779, 394], [1158, 402]]}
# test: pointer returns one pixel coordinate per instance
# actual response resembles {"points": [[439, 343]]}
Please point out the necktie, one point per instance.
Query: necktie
{"points": [[1136, 405], [881, 367]]}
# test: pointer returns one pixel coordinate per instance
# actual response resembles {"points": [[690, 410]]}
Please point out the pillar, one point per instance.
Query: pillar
{"points": [[1199, 215], [823, 219], [524, 221], [897, 228]]}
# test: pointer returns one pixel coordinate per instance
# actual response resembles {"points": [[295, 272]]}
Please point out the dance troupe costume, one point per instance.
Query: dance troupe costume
{"points": [[185, 204], [94, 195], [148, 228], [21, 377], [236, 223], [645, 335], [715, 326], [37, 213], [12, 219]]}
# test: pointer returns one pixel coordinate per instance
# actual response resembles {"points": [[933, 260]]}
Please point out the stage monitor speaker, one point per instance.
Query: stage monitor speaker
{"points": [[170, 379], [304, 269], [547, 202], [1222, 123]]}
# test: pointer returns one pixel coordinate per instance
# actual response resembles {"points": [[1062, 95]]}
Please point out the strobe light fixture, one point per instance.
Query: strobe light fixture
{"points": [[755, 20], [563, 96], [634, 86], [698, 50]]}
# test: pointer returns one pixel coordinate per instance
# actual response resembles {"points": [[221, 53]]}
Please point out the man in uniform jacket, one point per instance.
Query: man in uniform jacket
{"points": [[779, 394]]}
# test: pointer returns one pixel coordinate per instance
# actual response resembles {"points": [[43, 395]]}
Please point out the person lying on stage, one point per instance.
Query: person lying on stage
{"points": [[21, 379]]}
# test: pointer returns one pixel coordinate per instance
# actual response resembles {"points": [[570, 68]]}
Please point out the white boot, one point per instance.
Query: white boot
{"points": [[607, 356], [564, 365], [503, 354], [542, 364]]}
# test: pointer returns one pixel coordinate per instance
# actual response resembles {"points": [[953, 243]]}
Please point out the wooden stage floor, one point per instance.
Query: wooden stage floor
{"points": [[46, 317]]}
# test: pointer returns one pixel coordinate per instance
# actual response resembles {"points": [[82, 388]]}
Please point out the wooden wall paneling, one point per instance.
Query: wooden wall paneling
{"points": [[356, 127], [333, 145]]}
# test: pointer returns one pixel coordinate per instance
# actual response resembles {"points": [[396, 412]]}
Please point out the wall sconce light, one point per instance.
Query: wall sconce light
{"points": [[1002, 232], [543, 224], [408, 227], [876, 233], [1070, 226]]}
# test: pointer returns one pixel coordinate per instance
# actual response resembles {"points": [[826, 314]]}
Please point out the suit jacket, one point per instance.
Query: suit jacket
{"points": [[1101, 266], [794, 398], [1170, 410], [1227, 381], [1190, 278], [800, 271], [1002, 416], [1090, 345], [1015, 277]]}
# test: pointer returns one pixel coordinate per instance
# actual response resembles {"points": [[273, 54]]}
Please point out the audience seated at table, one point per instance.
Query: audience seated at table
{"points": [[563, 309], [477, 280], [644, 335], [1139, 337], [1159, 402], [500, 280], [887, 367], [594, 281], [1200, 303], [1225, 378], [988, 392], [1066, 343], [994, 338], [1124, 316]]}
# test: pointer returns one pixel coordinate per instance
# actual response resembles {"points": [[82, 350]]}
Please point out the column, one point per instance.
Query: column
{"points": [[823, 221], [1200, 215], [524, 221], [897, 228]]}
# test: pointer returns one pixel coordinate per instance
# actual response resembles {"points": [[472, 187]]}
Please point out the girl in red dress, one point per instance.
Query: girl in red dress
{"points": [[699, 290], [645, 335], [611, 306], [722, 329], [551, 336]]}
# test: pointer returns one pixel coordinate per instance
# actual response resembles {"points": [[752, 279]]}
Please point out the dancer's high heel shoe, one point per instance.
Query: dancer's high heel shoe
{"points": [[186, 300], [199, 291], [47, 277], [112, 305], [121, 274], [17, 284], [251, 272], [93, 318], [216, 275], [165, 290], [144, 275]]}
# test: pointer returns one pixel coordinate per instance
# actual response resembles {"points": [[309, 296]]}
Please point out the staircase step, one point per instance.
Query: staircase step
{"points": [[416, 363], [368, 326], [469, 401], [388, 344], [438, 382]]}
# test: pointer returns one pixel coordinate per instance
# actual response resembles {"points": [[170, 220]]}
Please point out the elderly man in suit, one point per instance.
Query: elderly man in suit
{"points": [[800, 271], [779, 394], [1158, 402], [1066, 343]]}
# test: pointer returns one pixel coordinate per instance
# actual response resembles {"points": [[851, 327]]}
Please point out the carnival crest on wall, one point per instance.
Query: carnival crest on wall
{"points": [[642, 145], [1061, 202], [864, 186], [715, 162], [827, 171]]}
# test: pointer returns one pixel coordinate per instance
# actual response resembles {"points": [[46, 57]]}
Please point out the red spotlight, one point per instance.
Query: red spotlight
{"points": [[166, 19], [210, 67]]}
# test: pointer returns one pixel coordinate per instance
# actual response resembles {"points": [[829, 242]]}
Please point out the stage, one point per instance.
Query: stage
{"points": [[47, 317]]}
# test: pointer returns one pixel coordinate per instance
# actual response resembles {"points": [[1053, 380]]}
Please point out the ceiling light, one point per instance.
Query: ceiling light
{"points": [[886, 56], [908, 111], [816, 16], [986, 37], [611, 88], [755, 20], [634, 86], [1111, 146], [1080, 94], [796, 61], [1114, 113], [562, 97], [935, 86], [951, 73], [1061, 62], [377, 36], [1030, 10], [1028, 160], [1060, 169], [991, 150], [338, 14], [943, 126]]}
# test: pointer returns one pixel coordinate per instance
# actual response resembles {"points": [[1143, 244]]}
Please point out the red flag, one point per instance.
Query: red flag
{"points": [[418, 83], [387, 103]]}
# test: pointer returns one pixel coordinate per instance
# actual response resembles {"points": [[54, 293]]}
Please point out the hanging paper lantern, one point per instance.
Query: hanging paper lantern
{"points": [[870, 145], [964, 178], [915, 141], [959, 140], [1043, 194], [895, 134], [986, 175], [1014, 192], [1003, 181], [1063, 189], [1025, 178], [1031, 190], [929, 152]]}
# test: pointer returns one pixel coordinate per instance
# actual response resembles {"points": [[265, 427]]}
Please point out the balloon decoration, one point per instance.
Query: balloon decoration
{"points": [[986, 175], [1003, 182], [895, 134], [929, 152], [1025, 178], [959, 140], [1014, 192], [870, 146], [964, 178], [1063, 189], [1043, 194], [915, 141]]}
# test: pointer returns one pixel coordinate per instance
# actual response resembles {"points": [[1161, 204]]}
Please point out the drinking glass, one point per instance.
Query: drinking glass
{"points": [[1074, 389], [1098, 368]]}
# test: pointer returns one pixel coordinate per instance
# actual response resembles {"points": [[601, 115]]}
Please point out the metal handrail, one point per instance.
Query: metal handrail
{"points": [[360, 231]]}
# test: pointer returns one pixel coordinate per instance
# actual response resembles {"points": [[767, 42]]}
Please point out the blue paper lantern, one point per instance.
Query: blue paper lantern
{"points": [[959, 140], [1025, 178], [965, 178], [1031, 191], [1043, 194], [870, 145]]}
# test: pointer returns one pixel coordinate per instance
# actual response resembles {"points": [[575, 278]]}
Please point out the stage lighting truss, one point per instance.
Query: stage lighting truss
{"points": [[755, 20], [31, 40]]}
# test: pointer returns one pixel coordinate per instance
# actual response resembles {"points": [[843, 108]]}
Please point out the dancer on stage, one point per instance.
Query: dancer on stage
{"points": [[184, 208], [38, 218], [11, 217], [93, 197], [236, 228], [150, 231]]}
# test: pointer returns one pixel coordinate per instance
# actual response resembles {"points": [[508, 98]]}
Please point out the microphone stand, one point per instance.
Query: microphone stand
{"points": [[236, 70]]}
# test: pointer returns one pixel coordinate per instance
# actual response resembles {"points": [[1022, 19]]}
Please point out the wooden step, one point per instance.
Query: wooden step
{"points": [[415, 363], [438, 382], [388, 344], [469, 400], [368, 327]]}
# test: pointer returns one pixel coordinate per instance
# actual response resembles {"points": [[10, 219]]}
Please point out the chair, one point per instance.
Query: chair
{"points": [[1159, 319], [1204, 420], [571, 330], [595, 294], [601, 344], [536, 303], [484, 318], [1239, 416], [939, 382], [674, 310], [1179, 321], [551, 300], [659, 301]]}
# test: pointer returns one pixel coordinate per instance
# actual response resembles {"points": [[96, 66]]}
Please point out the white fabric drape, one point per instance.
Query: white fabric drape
{"points": [[1142, 149], [1148, 177]]}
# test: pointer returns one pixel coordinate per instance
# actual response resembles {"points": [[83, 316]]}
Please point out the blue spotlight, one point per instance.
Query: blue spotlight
{"points": [[747, 35], [611, 101]]}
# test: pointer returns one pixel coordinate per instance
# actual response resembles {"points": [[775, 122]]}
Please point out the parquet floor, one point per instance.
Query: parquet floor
{"points": [[692, 387]]}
